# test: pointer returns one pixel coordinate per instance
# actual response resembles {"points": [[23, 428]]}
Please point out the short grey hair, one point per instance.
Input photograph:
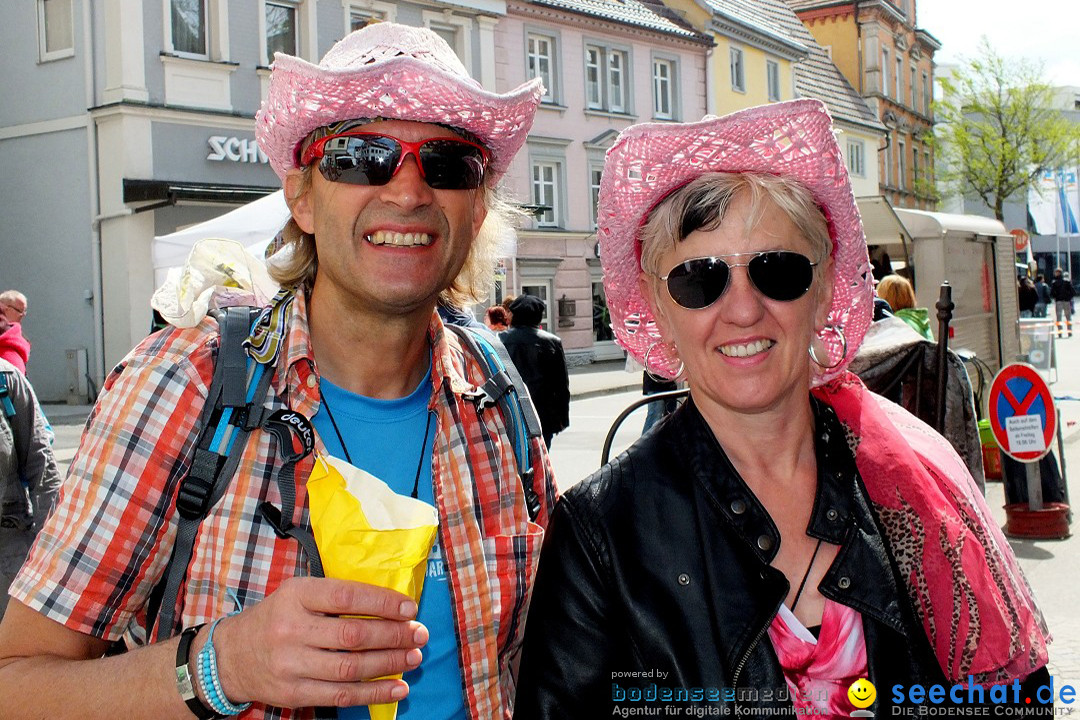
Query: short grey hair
{"points": [[703, 203]]}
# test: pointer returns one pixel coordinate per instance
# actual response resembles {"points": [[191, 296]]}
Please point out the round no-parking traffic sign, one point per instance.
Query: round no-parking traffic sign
{"points": [[1022, 414]]}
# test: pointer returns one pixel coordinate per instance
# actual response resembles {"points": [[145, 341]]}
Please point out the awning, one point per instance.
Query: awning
{"points": [[169, 192], [880, 223]]}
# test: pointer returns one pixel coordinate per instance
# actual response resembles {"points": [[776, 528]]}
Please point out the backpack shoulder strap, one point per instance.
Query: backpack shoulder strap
{"points": [[5, 397], [234, 407], [504, 387]]}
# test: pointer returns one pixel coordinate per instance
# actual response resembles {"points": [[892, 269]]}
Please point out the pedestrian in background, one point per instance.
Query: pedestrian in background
{"points": [[13, 346], [1027, 296], [898, 292], [29, 479], [538, 356], [1042, 292], [497, 318], [1061, 290]]}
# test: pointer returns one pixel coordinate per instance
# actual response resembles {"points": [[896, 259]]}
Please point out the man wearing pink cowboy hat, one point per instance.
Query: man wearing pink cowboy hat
{"points": [[389, 154]]}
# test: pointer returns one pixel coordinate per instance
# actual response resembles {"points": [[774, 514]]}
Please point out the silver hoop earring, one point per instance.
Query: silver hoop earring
{"points": [[839, 330], [658, 377]]}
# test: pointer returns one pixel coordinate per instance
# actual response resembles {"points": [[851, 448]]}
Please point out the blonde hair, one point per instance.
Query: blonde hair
{"points": [[703, 203], [896, 291], [473, 283]]}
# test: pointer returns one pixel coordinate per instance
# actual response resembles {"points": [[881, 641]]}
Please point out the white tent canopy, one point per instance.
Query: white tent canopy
{"points": [[253, 225]]}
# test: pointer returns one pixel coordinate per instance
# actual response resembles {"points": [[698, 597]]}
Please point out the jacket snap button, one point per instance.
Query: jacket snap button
{"points": [[844, 583], [738, 507], [832, 515], [684, 579], [765, 542], [312, 381]]}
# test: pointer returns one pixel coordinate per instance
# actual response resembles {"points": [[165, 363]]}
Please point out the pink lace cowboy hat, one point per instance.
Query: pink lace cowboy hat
{"points": [[390, 71], [651, 160]]}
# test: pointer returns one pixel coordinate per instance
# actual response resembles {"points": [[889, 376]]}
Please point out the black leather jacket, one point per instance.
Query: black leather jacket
{"points": [[659, 564]]}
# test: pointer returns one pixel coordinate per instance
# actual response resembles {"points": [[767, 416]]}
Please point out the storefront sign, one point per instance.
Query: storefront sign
{"points": [[231, 149]]}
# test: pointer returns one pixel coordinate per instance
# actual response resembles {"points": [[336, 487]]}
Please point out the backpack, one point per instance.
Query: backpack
{"points": [[234, 408]]}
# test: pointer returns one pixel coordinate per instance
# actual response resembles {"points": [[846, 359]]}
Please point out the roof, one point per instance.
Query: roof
{"points": [[647, 14], [817, 76], [759, 17], [811, 4]]}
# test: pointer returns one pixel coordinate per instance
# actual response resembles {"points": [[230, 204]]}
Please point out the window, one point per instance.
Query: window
{"points": [[601, 318], [887, 160], [772, 77], [926, 163], [914, 167], [361, 13], [738, 74], [914, 89], [885, 71], [189, 27], [926, 94], [545, 192], [606, 82], [540, 63], [663, 89], [855, 158], [281, 30], [595, 173], [55, 35], [447, 33], [901, 164], [898, 78], [456, 30]]}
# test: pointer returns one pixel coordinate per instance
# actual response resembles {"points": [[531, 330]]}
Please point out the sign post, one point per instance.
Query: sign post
{"points": [[1023, 420]]}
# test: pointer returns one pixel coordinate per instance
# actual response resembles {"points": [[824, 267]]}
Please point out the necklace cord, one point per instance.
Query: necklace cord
{"points": [[806, 575], [341, 441]]}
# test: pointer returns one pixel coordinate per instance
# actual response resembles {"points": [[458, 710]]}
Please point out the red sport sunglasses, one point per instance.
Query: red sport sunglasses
{"points": [[368, 158]]}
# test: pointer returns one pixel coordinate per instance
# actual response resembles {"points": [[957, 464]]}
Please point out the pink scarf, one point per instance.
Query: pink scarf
{"points": [[973, 600], [819, 672]]}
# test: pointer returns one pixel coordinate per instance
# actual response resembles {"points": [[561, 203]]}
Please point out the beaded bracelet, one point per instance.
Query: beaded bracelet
{"points": [[209, 680]]}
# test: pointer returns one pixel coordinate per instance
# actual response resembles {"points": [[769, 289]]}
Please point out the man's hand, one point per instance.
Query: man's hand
{"points": [[303, 646]]}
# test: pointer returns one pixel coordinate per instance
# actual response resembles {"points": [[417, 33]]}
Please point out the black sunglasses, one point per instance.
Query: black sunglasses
{"points": [[365, 158], [777, 274]]}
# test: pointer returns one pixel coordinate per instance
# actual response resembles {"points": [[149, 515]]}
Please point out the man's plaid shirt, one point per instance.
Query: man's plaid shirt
{"points": [[105, 548]]}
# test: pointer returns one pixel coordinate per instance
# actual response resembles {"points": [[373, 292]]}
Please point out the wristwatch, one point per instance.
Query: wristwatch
{"points": [[185, 676]]}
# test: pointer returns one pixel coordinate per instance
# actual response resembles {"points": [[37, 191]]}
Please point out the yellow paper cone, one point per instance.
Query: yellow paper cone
{"points": [[368, 533]]}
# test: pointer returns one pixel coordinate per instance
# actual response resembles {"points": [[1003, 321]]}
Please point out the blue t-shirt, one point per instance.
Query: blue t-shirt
{"points": [[384, 438]]}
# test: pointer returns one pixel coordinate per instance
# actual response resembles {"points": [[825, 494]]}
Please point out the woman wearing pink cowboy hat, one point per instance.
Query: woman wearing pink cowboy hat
{"points": [[785, 533]]}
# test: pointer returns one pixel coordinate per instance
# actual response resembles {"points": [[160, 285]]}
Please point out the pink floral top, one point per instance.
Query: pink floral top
{"points": [[820, 670]]}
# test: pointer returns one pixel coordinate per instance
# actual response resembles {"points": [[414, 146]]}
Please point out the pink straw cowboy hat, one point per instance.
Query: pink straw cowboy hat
{"points": [[393, 72], [650, 161]]}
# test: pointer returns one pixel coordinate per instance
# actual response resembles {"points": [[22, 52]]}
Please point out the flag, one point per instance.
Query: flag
{"points": [[1067, 201]]}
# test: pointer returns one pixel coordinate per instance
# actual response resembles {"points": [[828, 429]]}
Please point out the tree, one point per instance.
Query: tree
{"points": [[997, 130]]}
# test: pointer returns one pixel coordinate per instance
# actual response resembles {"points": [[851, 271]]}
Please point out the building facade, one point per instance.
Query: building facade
{"points": [[889, 60], [605, 65]]}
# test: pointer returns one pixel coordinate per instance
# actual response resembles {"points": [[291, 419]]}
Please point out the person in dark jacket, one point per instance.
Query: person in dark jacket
{"points": [[1061, 290], [538, 356], [1042, 291], [785, 534], [1027, 296], [29, 479]]}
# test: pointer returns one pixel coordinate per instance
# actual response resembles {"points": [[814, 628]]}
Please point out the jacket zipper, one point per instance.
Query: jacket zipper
{"points": [[742, 663]]}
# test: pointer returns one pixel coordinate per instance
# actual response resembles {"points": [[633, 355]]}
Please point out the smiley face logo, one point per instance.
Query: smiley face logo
{"points": [[862, 693]]}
